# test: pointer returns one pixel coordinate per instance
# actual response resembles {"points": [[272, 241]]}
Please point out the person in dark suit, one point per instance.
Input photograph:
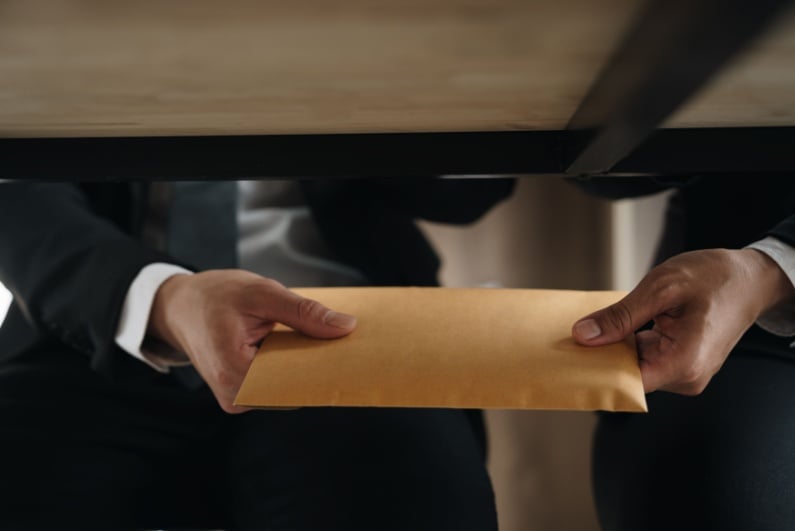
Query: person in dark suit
{"points": [[713, 322], [91, 437]]}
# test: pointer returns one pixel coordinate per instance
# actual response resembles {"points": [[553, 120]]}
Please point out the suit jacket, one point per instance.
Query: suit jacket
{"points": [[720, 211], [728, 211], [68, 252]]}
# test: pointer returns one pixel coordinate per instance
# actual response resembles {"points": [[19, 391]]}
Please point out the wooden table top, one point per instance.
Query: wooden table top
{"points": [[73, 68]]}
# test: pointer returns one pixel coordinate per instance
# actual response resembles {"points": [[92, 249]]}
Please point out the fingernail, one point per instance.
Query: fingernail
{"points": [[339, 320], [587, 329]]}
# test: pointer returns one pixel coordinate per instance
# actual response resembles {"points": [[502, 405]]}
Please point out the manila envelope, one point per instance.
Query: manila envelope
{"points": [[479, 348]]}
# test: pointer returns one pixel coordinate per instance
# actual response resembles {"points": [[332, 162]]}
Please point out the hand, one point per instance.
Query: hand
{"points": [[701, 303], [219, 318]]}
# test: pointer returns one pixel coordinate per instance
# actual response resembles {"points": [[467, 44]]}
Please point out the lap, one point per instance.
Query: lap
{"points": [[359, 468], [721, 460], [78, 449]]}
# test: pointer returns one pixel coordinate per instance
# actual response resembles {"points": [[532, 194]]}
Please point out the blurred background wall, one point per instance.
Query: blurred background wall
{"points": [[549, 234]]}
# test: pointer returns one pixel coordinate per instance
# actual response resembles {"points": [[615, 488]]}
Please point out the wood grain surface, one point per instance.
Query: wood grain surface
{"points": [[171, 67], [756, 89]]}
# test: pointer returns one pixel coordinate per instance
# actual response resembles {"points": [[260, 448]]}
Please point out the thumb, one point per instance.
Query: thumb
{"points": [[617, 321], [309, 316]]}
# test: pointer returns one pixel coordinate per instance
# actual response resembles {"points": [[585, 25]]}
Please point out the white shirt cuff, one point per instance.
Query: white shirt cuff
{"points": [[781, 319], [131, 330]]}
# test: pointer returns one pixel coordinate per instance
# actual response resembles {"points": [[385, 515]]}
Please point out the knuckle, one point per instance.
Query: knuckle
{"points": [[666, 289], [228, 407], [268, 284], [619, 317], [308, 308], [694, 388], [693, 380], [690, 375], [666, 292]]}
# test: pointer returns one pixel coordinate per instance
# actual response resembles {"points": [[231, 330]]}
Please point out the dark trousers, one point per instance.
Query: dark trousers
{"points": [[79, 452], [724, 460]]}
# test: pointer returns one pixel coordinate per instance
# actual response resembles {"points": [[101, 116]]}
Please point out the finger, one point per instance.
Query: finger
{"points": [[225, 396], [654, 371], [619, 320], [224, 374], [307, 316], [227, 403], [665, 366], [662, 375]]}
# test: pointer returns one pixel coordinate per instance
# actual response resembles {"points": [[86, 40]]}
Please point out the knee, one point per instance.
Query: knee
{"points": [[654, 474], [372, 469]]}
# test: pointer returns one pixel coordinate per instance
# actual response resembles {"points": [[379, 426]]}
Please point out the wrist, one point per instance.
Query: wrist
{"points": [[166, 310], [768, 279]]}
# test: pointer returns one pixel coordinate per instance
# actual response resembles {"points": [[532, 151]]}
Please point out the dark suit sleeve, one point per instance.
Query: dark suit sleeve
{"points": [[68, 269], [785, 231]]}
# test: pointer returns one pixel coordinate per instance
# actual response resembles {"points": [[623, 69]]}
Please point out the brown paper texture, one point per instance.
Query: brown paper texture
{"points": [[448, 347]]}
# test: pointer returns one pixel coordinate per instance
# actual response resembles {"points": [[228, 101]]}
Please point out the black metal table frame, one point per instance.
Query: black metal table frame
{"points": [[672, 50]]}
